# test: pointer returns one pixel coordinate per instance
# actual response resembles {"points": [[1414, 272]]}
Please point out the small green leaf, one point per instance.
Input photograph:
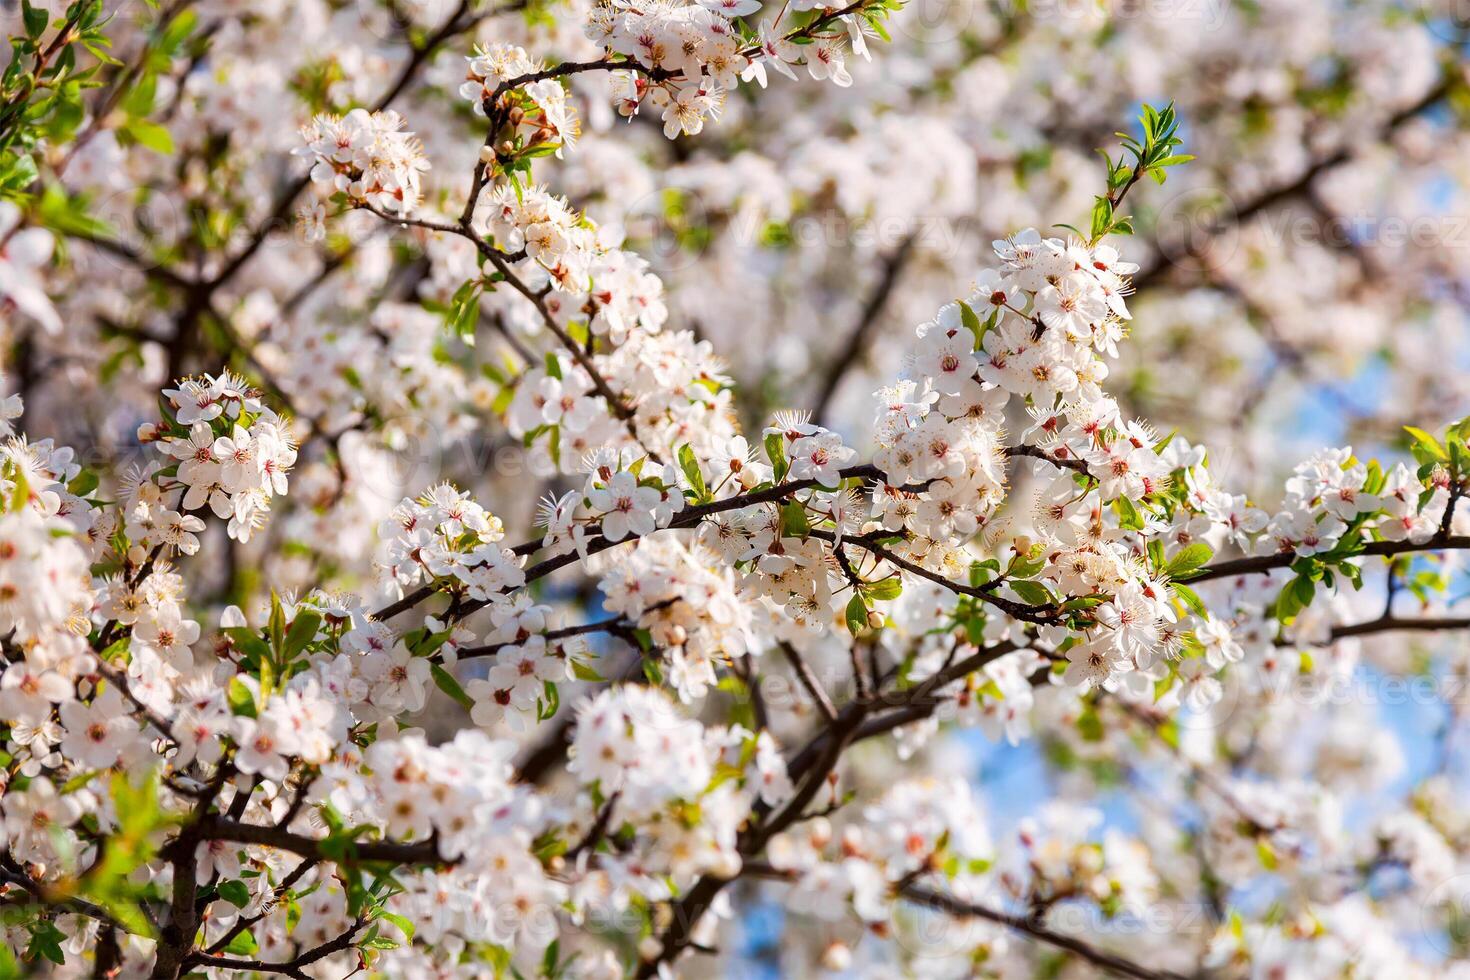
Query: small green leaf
{"points": [[885, 590], [451, 687], [235, 893], [241, 701], [794, 523], [151, 135], [303, 630], [1190, 598], [857, 615], [1032, 593], [35, 19], [1428, 444], [1189, 558], [585, 672], [690, 467], [776, 453]]}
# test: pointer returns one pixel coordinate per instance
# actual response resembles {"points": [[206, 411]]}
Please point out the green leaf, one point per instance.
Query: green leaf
{"points": [[1032, 593], [1090, 726], [776, 453], [1426, 444], [1294, 597], [549, 701], [85, 482], [77, 782], [857, 615], [151, 135], [402, 922], [241, 701], [794, 523], [451, 687], [34, 18], [248, 642], [972, 323], [1025, 566], [464, 311], [1190, 598], [235, 893], [1190, 558], [690, 467], [585, 672], [885, 590], [21, 493], [277, 625], [303, 631], [981, 572]]}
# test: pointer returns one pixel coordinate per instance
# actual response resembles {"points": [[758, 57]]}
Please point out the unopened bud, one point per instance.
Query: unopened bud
{"points": [[649, 948], [727, 865], [836, 957], [148, 432], [875, 619]]}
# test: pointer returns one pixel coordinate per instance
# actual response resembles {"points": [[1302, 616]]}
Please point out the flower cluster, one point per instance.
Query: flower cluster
{"points": [[320, 370], [639, 750], [691, 608], [625, 495], [920, 827], [367, 158], [230, 451], [544, 117], [445, 534], [692, 54]]}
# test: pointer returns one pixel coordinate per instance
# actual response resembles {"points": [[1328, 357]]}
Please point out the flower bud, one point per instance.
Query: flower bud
{"points": [[836, 957], [727, 865]]}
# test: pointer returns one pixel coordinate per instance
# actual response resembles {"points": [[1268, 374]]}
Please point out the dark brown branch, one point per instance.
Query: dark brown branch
{"points": [[808, 680], [857, 340], [1036, 930], [1258, 564], [393, 852]]}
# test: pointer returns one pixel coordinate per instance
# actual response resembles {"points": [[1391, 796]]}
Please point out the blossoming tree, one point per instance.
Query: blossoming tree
{"points": [[299, 679]]}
